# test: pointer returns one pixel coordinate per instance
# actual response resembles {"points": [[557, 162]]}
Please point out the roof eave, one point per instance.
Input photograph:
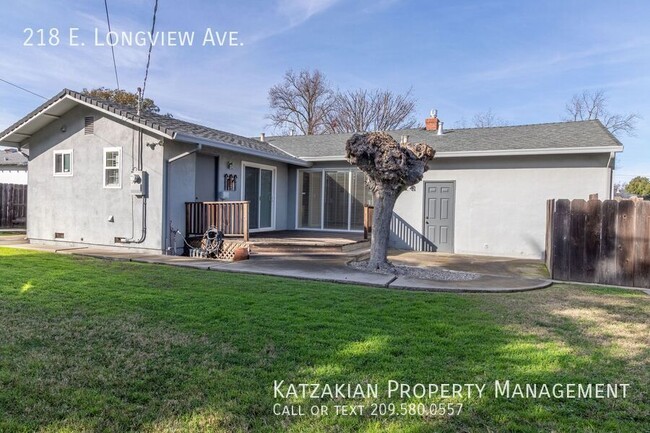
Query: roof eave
{"points": [[188, 138]]}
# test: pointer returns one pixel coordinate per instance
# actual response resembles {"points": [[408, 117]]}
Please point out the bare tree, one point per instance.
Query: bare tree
{"points": [[487, 119], [302, 101], [379, 110], [593, 105], [390, 168]]}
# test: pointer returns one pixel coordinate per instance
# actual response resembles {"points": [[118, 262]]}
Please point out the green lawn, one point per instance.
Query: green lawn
{"points": [[91, 345]]}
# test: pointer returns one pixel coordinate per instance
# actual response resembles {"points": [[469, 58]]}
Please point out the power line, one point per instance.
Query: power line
{"points": [[108, 20], [22, 88], [146, 71]]}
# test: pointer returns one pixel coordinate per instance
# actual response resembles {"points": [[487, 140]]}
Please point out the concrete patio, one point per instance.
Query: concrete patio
{"points": [[496, 274]]}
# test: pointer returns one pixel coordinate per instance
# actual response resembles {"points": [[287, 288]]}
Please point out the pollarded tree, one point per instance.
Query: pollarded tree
{"points": [[390, 167]]}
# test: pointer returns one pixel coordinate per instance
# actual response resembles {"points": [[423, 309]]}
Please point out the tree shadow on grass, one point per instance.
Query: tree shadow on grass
{"points": [[104, 346]]}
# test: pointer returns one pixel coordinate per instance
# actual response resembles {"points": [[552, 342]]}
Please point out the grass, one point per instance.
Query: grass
{"points": [[89, 345], [11, 233]]}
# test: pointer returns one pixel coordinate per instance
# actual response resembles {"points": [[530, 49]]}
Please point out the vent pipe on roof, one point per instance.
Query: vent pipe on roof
{"points": [[262, 136], [440, 131], [405, 139]]}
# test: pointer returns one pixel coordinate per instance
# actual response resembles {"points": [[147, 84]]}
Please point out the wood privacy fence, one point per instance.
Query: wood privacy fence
{"points": [[605, 242], [13, 205], [231, 217]]}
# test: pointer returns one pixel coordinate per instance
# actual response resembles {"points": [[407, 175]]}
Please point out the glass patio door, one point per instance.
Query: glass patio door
{"points": [[332, 199], [258, 191]]}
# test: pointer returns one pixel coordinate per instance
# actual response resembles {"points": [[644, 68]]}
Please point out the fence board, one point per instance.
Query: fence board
{"points": [[578, 217], [593, 227], [550, 207], [601, 242], [607, 261], [642, 246], [625, 243], [562, 224]]}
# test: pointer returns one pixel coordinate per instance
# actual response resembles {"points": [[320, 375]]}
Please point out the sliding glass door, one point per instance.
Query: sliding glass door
{"points": [[336, 200], [332, 199], [258, 191]]}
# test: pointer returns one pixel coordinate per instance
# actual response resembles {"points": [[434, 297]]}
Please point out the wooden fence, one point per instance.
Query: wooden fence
{"points": [[605, 242], [13, 205], [231, 217]]}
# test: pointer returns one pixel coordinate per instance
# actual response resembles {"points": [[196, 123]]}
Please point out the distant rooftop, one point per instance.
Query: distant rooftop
{"points": [[12, 157]]}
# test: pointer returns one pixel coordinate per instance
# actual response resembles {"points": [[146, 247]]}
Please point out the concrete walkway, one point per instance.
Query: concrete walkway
{"points": [[331, 268]]}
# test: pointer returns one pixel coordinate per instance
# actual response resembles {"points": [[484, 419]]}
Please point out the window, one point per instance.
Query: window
{"points": [[112, 167], [63, 163]]}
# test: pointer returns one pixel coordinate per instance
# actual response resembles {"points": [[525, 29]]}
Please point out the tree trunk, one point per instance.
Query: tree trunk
{"points": [[383, 213]]}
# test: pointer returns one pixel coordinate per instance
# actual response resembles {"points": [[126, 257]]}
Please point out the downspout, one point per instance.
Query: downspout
{"points": [[168, 164], [610, 173]]}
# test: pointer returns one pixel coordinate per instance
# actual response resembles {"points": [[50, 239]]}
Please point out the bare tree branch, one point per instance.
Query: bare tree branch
{"points": [[303, 101], [487, 119], [379, 110], [593, 105]]}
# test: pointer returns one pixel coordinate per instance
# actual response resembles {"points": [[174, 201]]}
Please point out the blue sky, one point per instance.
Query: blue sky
{"points": [[522, 59]]}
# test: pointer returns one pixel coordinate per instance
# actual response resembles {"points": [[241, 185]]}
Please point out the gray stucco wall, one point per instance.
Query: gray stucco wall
{"points": [[79, 206], [500, 204]]}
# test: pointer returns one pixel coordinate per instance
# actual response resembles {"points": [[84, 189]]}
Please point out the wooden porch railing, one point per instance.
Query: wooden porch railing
{"points": [[231, 217], [368, 212]]}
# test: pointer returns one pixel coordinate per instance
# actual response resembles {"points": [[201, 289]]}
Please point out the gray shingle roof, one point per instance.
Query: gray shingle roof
{"points": [[12, 157], [561, 135], [167, 125]]}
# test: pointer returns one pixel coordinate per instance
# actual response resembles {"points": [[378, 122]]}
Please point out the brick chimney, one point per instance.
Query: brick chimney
{"points": [[431, 123]]}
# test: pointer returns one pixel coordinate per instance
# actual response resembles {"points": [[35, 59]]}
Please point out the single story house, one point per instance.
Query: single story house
{"points": [[13, 167], [102, 174]]}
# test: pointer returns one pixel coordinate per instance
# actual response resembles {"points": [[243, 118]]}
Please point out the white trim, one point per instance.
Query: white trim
{"points": [[512, 152], [274, 182], [62, 152], [119, 167], [87, 104]]}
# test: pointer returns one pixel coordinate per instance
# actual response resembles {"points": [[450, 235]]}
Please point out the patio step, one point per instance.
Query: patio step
{"points": [[305, 247]]}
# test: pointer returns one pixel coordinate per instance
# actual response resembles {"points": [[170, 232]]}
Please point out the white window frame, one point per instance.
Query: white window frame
{"points": [[274, 182], [119, 167], [322, 228], [62, 153]]}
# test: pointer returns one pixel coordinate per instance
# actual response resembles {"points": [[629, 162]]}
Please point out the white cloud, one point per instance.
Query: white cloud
{"points": [[558, 63], [299, 11]]}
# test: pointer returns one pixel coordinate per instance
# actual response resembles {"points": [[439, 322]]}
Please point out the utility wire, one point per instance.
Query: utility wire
{"points": [[146, 71], [108, 20], [22, 88]]}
